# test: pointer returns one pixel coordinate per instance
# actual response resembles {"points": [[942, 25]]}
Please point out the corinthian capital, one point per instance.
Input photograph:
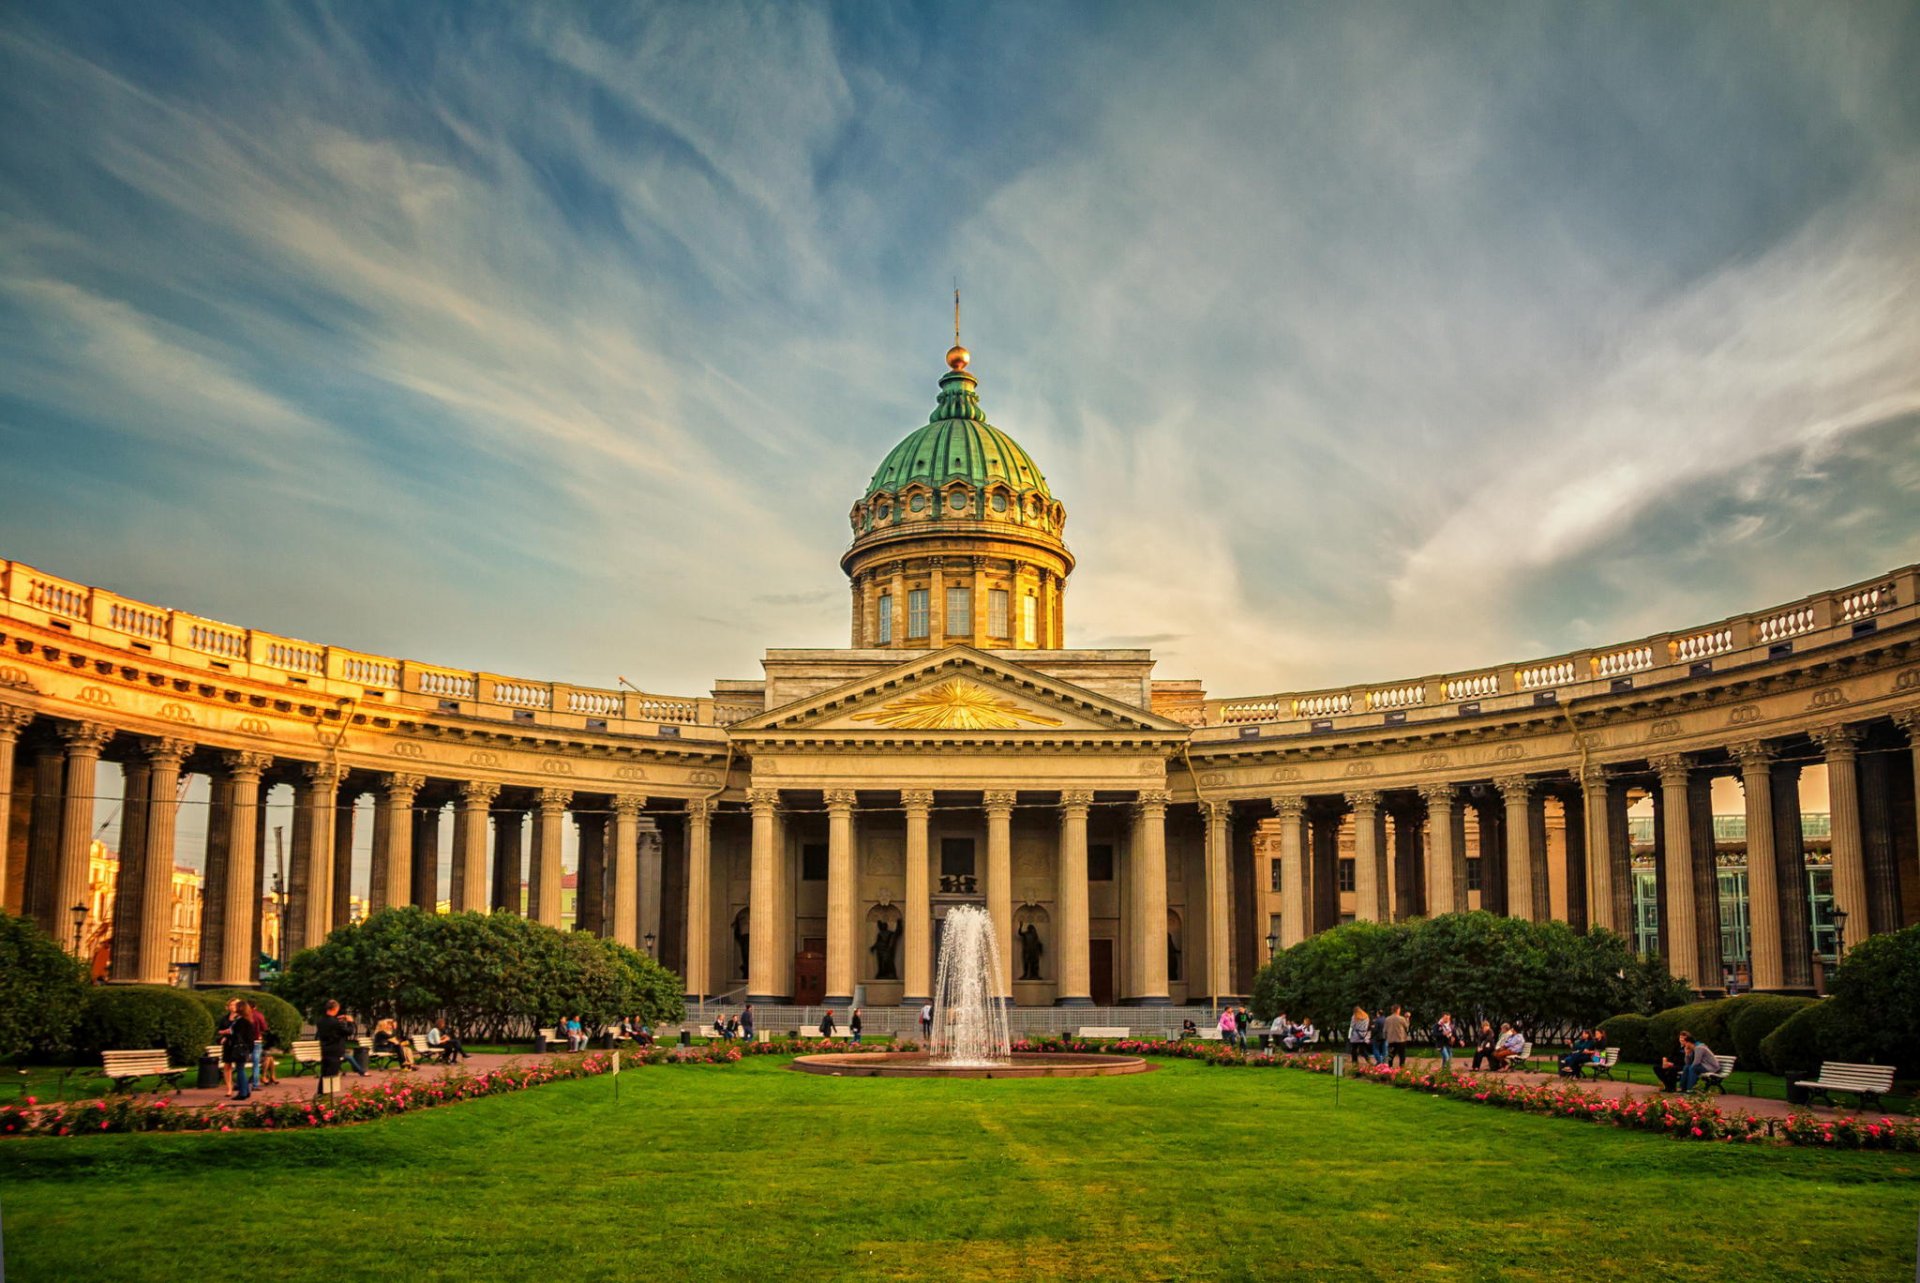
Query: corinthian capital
{"points": [[764, 800], [401, 788], [1514, 788], [12, 719], [85, 737], [244, 768], [478, 792], [553, 800], [1673, 769]]}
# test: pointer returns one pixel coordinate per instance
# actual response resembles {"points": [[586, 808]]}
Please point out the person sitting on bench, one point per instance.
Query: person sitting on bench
{"points": [[1510, 1046], [388, 1042], [447, 1044], [1583, 1053], [1485, 1047], [1701, 1062]]}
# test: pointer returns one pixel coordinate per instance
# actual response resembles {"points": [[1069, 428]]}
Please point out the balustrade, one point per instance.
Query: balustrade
{"points": [[1323, 705], [1389, 697], [1629, 659], [447, 685], [212, 640], [1557, 672], [370, 672], [1788, 623], [136, 622], [596, 703], [1476, 686], [523, 694], [1867, 601], [57, 598], [295, 658], [1701, 645]]}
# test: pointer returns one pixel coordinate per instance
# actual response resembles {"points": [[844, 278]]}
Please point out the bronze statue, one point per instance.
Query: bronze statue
{"points": [[1030, 951], [886, 942], [740, 939]]}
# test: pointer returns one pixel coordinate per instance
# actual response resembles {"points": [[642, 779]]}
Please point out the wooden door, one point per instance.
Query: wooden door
{"points": [[1100, 972], [810, 972]]}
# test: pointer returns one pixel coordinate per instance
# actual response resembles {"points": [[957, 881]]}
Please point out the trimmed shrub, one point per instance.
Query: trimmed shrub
{"points": [[1628, 1032], [1816, 1034], [283, 1021], [1758, 1015], [140, 1018], [1706, 1020], [1875, 986], [41, 989]]}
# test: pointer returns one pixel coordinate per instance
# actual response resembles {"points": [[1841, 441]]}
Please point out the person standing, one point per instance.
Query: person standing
{"points": [[1396, 1038], [1378, 1031], [260, 1034], [1443, 1037], [333, 1033], [926, 1023], [1229, 1026], [221, 1029], [827, 1027], [1484, 1046], [745, 1023], [1358, 1033], [236, 1051], [853, 1026]]}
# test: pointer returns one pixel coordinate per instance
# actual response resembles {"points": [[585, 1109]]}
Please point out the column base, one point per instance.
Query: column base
{"points": [[769, 999], [1073, 1002], [837, 1000], [1160, 1000], [916, 1003]]}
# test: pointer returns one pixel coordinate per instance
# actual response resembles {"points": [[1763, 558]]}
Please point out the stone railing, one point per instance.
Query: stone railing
{"points": [[1760, 637], [106, 619]]}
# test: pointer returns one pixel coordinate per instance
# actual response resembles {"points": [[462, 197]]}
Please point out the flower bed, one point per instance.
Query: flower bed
{"points": [[130, 1113]]}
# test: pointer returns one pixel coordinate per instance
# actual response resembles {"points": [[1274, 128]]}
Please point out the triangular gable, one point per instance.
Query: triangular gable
{"points": [[961, 691]]}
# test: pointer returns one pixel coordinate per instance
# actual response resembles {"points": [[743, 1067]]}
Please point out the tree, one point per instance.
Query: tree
{"points": [[1544, 976], [41, 989], [1873, 993], [491, 975]]}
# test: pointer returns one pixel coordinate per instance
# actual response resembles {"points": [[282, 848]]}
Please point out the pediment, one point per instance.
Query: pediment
{"points": [[964, 693]]}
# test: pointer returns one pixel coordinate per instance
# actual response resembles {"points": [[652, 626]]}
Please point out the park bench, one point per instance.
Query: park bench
{"points": [[306, 1051], [1718, 1082], [1603, 1067], [551, 1039], [1521, 1060], [1103, 1031], [1210, 1035], [423, 1049], [1868, 1082], [126, 1067], [710, 1033]]}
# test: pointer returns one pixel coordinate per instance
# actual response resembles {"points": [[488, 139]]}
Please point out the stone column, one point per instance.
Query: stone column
{"points": [[151, 945], [470, 845], [1841, 744], [310, 877], [842, 888], [590, 912], [1599, 818], [1367, 880], [13, 720], [1219, 817], [650, 860], [393, 842], [1076, 977], [917, 917], [425, 885], [509, 860], [1517, 792], [129, 888], [1408, 861], [1790, 876], [1706, 887], [240, 898], [623, 914], [699, 897], [544, 888], [1291, 812], [897, 603], [343, 819], [1907, 720], [1677, 924], [1763, 888], [1443, 855], [936, 601], [84, 740], [999, 804], [43, 840], [763, 966], [1150, 859]]}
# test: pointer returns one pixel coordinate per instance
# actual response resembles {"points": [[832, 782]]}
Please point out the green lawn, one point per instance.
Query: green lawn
{"points": [[754, 1171]]}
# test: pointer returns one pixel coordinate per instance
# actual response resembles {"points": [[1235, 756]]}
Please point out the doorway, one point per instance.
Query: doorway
{"points": [[810, 972], [1100, 972]]}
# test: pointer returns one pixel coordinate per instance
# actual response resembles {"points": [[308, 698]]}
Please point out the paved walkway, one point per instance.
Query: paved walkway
{"points": [[1730, 1101], [303, 1087]]}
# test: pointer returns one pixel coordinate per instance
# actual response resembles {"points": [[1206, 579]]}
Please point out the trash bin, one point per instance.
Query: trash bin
{"points": [[209, 1075], [686, 1038], [1266, 1042], [1796, 1094]]}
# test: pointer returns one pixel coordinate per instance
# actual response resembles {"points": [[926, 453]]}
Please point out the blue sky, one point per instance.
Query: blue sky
{"points": [[1360, 341]]}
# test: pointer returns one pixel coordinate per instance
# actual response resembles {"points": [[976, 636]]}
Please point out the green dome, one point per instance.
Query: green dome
{"points": [[957, 443]]}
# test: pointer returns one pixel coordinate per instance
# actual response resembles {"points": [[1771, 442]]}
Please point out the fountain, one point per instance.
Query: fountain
{"points": [[970, 1038]]}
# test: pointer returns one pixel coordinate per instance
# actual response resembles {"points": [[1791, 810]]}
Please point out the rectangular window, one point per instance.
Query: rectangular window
{"points": [[813, 862], [1473, 875], [1273, 875], [959, 610], [956, 867], [1029, 621], [886, 618], [917, 612], [1346, 875], [1646, 912], [997, 613], [1100, 862]]}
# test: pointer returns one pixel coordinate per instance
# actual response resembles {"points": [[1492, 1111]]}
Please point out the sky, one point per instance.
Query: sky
{"points": [[1361, 341]]}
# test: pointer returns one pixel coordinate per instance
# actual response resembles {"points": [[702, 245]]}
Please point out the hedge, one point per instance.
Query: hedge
{"points": [[1628, 1032], [1758, 1015], [1707, 1021], [283, 1021], [1815, 1034], [141, 1018], [41, 988]]}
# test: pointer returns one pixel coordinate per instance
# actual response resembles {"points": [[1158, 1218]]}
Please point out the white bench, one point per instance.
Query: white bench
{"points": [[125, 1067], [1210, 1035], [1868, 1082], [1603, 1067], [1717, 1081], [1103, 1031], [306, 1051]]}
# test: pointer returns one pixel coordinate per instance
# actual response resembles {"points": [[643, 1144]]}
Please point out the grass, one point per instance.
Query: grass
{"points": [[753, 1171]]}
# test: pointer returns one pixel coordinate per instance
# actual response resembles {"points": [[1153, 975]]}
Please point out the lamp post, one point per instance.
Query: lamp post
{"points": [[1273, 944], [649, 943], [1839, 934], [79, 912]]}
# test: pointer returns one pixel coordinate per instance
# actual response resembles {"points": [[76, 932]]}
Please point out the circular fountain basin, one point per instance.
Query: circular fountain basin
{"points": [[1022, 1064]]}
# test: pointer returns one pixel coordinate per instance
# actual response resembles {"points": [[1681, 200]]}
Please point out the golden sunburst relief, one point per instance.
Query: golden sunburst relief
{"points": [[954, 706]]}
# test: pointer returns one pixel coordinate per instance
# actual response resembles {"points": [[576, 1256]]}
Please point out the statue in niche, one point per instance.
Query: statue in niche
{"points": [[886, 944], [1173, 957], [1030, 951], [741, 938]]}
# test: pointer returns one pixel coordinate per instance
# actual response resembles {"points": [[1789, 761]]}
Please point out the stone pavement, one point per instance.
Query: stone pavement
{"points": [[289, 1088]]}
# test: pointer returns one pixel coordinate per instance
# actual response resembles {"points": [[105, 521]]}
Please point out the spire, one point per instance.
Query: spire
{"points": [[957, 356]]}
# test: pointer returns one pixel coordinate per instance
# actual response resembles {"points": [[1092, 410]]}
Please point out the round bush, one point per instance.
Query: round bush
{"points": [[141, 1018], [1707, 1021], [1759, 1014], [1628, 1032], [1875, 986], [41, 989], [283, 1021]]}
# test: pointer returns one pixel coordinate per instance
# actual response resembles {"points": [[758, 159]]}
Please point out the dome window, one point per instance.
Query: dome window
{"points": [[918, 503], [999, 502], [958, 499]]}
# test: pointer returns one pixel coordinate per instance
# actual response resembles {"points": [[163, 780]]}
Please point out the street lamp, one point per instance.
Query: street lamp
{"points": [[1273, 943], [1839, 933], [79, 912], [649, 941]]}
